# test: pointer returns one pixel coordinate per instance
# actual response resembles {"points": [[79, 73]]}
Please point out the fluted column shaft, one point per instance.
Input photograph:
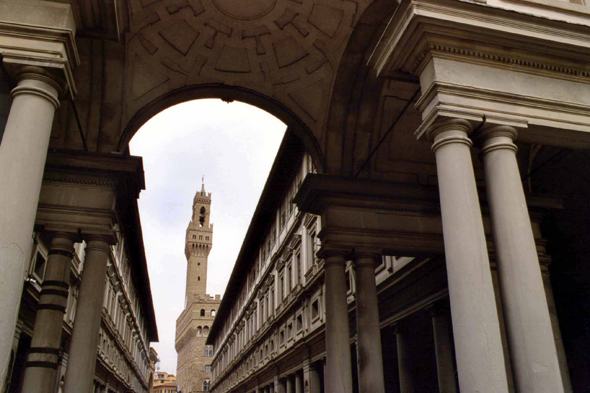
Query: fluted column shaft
{"points": [[338, 372], [23, 151], [476, 329], [42, 362], [443, 346], [528, 324], [370, 359], [82, 361]]}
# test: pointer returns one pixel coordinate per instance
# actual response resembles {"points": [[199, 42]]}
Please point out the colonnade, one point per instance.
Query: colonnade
{"points": [[26, 138], [305, 380], [476, 328]]}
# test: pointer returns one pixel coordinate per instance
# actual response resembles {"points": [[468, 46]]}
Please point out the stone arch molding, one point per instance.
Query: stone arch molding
{"points": [[286, 50]]}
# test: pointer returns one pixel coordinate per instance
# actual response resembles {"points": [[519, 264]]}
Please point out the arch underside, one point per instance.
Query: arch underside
{"points": [[303, 62]]}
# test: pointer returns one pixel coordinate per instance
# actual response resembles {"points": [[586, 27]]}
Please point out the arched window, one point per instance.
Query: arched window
{"points": [[206, 385], [199, 331], [202, 313], [212, 313], [202, 216], [206, 331]]}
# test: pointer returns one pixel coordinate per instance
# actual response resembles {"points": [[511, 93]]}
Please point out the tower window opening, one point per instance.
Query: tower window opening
{"points": [[202, 216], [202, 313], [199, 278], [212, 313]]}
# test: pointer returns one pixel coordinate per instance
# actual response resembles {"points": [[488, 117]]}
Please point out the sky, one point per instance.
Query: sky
{"points": [[233, 146]]}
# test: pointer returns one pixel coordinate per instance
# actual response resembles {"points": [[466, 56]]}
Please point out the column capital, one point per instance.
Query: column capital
{"points": [[39, 82], [442, 126], [333, 255], [98, 243], [449, 131], [366, 258], [496, 137]]}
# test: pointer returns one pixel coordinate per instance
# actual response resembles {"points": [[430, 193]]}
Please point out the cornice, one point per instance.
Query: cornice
{"points": [[526, 64]]}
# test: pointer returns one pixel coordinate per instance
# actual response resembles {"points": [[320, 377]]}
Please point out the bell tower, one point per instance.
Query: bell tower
{"points": [[198, 243]]}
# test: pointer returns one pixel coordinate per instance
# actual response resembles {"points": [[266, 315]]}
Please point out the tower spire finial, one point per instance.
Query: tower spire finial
{"points": [[203, 184]]}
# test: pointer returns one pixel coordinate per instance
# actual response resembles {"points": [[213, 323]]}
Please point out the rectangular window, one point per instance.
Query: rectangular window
{"points": [[315, 309], [40, 263], [299, 325], [208, 369]]}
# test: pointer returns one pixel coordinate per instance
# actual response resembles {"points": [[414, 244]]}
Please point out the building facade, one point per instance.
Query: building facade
{"points": [[86, 320], [193, 324], [164, 383], [452, 132]]}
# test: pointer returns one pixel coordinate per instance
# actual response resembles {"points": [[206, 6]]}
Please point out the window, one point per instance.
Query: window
{"points": [[200, 237], [299, 324], [282, 337], [199, 331], [208, 369], [194, 236], [298, 268], [206, 331], [202, 313], [315, 309], [206, 385], [206, 237], [40, 263], [202, 216], [212, 313], [208, 350]]}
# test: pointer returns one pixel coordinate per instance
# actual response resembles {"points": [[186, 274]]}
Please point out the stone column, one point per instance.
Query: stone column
{"points": [[42, 362], [565, 375], [315, 381], [478, 344], [289, 383], [404, 360], [23, 150], [338, 363], [528, 325], [369, 357], [443, 346], [298, 383], [279, 386], [82, 363]]}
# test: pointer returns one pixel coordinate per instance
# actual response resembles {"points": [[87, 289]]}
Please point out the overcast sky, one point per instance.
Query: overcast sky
{"points": [[233, 146]]}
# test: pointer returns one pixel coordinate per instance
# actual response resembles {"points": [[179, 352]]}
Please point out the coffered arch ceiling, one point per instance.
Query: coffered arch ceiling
{"points": [[294, 54]]}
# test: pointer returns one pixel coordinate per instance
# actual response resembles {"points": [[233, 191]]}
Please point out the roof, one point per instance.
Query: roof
{"points": [[279, 179]]}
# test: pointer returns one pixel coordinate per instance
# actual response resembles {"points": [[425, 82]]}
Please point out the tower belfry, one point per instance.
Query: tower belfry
{"points": [[198, 243]]}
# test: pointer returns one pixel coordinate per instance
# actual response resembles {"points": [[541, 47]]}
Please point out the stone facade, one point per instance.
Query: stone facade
{"points": [[193, 324]]}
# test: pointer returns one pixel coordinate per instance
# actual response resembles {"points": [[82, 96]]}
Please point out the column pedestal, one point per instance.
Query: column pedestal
{"points": [[82, 363], [23, 151], [42, 362], [370, 360], [338, 372], [478, 344], [530, 337]]}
